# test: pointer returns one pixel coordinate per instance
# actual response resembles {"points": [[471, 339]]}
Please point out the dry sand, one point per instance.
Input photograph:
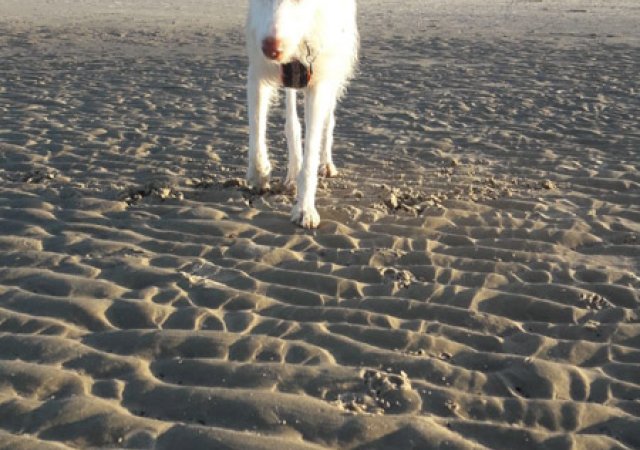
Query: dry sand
{"points": [[474, 282]]}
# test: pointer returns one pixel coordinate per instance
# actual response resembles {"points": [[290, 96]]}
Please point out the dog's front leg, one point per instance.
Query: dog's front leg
{"points": [[259, 96], [294, 141], [318, 101]]}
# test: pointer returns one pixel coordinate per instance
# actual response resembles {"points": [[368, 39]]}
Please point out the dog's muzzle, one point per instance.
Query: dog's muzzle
{"points": [[296, 75]]}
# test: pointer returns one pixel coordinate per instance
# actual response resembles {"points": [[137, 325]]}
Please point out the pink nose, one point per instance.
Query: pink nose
{"points": [[272, 48]]}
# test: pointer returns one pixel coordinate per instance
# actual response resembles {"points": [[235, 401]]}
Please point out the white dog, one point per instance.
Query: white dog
{"points": [[309, 45]]}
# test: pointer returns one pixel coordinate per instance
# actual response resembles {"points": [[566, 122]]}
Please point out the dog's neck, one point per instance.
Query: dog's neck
{"points": [[308, 54]]}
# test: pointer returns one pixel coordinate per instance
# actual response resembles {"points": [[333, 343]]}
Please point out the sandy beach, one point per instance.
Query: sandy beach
{"points": [[474, 283]]}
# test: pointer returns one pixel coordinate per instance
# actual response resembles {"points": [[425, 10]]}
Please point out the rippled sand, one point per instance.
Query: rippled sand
{"points": [[474, 282]]}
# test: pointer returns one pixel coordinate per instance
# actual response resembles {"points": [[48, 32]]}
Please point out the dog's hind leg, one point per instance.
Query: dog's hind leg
{"points": [[294, 141], [318, 102], [327, 168], [259, 96]]}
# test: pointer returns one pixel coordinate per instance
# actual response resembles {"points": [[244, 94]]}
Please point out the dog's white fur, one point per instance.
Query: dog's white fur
{"points": [[326, 28]]}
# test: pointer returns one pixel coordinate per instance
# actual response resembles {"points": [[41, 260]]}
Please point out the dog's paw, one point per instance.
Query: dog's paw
{"points": [[305, 217], [258, 180], [328, 170]]}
